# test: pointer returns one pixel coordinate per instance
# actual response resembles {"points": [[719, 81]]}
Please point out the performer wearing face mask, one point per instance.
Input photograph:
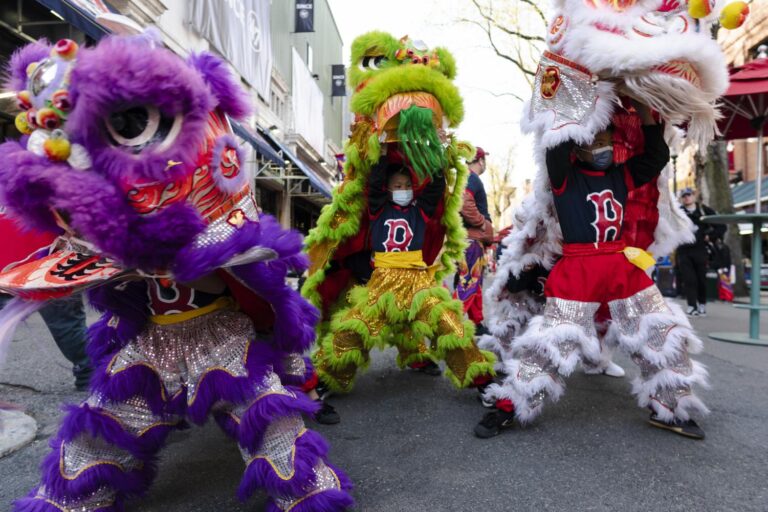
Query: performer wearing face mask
{"points": [[598, 272], [401, 302]]}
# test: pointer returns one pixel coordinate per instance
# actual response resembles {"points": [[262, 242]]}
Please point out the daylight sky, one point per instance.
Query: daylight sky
{"points": [[490, 121]]}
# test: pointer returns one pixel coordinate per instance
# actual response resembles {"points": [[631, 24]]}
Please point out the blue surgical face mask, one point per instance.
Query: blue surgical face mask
{"points": [[602, 158], [402, 197]]}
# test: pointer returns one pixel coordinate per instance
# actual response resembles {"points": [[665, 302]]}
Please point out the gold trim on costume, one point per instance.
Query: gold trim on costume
{"points": [[63, 470], [316, 491], [220, 303], [399, 259], [272, 464]]}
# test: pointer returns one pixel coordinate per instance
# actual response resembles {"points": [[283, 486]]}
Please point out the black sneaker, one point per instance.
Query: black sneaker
{"points": [[428, 367], [493, 422], [684, 428], [323, 391], [326, 415], [481, 330]]}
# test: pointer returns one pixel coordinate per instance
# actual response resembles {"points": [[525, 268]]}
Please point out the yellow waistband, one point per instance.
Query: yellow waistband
{"points": [[639, 257], [404, 259], [220, 303]]}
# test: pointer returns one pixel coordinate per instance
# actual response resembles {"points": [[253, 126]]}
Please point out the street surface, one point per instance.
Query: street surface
{"points": [[406, 440]]}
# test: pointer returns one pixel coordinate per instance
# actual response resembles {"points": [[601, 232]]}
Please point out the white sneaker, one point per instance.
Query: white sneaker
{"points": [[614, 370], [692, 311], [702, 310]]}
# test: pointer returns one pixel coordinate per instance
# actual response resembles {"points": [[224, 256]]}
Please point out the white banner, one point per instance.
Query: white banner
{"points": [[307, 105], [239, 30]]}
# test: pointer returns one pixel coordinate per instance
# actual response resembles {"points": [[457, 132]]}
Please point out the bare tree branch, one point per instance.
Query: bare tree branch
{"points": [[487, 29], [537, 9], [511, 32]]}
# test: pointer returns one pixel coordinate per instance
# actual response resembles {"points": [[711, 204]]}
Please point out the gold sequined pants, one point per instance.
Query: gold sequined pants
{"points": [[399, 307]]}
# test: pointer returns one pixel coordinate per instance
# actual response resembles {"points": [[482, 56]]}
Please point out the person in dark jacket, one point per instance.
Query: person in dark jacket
{"points": [[692, 259], [477, 221]]}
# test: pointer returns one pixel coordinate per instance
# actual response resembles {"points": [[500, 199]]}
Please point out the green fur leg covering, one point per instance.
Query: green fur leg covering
{"points": [[476, 369]]}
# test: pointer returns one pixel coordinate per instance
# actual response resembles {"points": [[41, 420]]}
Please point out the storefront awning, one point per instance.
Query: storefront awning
{"points": [[322, 187], [81, 14], [261, 146]]}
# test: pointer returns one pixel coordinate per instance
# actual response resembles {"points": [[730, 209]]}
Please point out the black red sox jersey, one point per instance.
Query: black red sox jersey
{"points": [[589, 202], [398, 229]]}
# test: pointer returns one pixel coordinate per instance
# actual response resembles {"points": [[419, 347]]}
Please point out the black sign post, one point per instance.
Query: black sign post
{"points": [[338, 80], [305, 15]]}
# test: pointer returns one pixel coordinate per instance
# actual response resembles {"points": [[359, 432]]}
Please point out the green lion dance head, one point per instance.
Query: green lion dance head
{"points": [[405, 91]]}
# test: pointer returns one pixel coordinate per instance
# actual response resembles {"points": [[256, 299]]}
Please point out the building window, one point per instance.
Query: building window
{"points": [[310, 58]]}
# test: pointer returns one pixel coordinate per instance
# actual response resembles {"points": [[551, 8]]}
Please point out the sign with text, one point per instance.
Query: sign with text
{"points": [[338, 80], [305, 15]]}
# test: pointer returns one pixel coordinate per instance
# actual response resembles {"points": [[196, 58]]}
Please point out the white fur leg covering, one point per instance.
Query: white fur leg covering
{"points": [[530, 380], [549, 350], [659, 339]]}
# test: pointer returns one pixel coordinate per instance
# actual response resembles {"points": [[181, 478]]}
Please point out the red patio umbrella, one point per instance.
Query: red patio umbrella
{"points": [[746, 109]]}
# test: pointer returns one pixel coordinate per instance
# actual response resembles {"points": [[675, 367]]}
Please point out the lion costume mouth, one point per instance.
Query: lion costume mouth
{"points": [[388, 114]]}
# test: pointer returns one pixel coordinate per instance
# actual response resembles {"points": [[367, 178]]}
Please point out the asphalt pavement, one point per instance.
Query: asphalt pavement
{"points": [[406, 441]]}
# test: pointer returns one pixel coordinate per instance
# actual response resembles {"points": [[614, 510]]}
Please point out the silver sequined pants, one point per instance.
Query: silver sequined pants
{"points": [[181, 357], [657, 337]]}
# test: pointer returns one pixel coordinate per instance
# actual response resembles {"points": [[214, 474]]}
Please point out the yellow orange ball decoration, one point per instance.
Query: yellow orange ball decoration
{"points": [[31, 68], [65, 48], [734, 15], [57, 147], [22, 125], [48, 118], [699, 8]]}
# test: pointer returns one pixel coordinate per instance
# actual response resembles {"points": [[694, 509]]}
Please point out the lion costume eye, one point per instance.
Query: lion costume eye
{"points": [[372, 62], [136, 128]]}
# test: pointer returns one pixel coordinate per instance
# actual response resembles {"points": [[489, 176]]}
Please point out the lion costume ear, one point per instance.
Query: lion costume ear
{"points": [[15, 78], [232, 98], [447, 62]]}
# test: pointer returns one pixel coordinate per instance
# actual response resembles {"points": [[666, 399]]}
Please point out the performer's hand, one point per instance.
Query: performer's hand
{"points": [[644, 111]]}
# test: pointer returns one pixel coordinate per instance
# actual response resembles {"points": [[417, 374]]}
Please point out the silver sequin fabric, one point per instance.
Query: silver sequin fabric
{"points": [[670, 397], [574, 100], [294, 365], [220, 230], [100, 498], [626, 313], [278, 446], [533, 364], [182, 354], [86, 451], [133, 414], [269, 386], [562, 311], [325, 479]]}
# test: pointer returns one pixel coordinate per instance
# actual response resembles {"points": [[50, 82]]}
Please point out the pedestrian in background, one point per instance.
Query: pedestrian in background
{"points": [[722, 263], [65, 318], [477, 221], [693, 259]]}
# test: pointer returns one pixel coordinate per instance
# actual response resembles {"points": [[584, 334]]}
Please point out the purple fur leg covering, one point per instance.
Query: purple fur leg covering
{"points": [[322, 500], [33, 503]]}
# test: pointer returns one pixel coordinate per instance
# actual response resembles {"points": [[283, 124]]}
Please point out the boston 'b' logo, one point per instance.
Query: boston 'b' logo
{"points": [[609, 214], [399, 235]]}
